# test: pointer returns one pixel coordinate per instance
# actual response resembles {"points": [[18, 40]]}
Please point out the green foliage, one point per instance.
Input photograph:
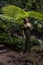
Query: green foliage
{"points": [[35, 15], [5, 34], [6, 18], [18, 43], [5, 37], [37, 24], [12, 11], [35, 5], [15, 14], [11, 15], [39, 27], [18, 3], [34, 41]]}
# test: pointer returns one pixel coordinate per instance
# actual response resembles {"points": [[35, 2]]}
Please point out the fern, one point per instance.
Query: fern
{"points": [[35, 15], [6, 18], [15, 14]]}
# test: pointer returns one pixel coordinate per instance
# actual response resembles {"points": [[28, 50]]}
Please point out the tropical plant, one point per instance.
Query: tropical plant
{"points": [[17, 13], [11, 15]]}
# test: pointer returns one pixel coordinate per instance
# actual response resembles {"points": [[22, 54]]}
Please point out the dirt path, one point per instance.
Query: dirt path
{"points": [[14, 58]]}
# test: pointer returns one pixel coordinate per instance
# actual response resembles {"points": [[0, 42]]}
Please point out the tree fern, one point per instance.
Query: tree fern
{"points": [[35, 15], [15, 14], [6, 18]]}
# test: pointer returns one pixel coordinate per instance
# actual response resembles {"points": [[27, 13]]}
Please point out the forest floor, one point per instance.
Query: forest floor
{"points": [[14, 58]]}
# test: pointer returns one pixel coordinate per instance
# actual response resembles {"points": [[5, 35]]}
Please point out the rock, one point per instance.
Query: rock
{"points": [[3, 48]]}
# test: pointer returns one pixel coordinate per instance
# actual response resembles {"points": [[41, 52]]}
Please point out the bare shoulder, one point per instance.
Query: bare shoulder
{"points": [[29, 24]]}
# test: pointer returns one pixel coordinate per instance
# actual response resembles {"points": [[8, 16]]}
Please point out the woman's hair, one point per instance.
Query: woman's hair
{"points": [[26, 20]]}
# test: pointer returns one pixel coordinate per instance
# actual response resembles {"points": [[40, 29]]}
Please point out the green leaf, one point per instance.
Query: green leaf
{"points": [[15, 14], [35, 15]]}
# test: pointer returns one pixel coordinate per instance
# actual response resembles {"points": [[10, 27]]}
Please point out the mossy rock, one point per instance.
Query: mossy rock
{"points": [[38, 49]]}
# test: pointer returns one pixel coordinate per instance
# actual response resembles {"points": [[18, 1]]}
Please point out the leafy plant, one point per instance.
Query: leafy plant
{"points": [[34, 41], [11, 15], [17, 14]]}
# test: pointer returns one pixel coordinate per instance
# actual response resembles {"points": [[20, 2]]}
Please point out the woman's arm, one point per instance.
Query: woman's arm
{"points": [[24, 34]]}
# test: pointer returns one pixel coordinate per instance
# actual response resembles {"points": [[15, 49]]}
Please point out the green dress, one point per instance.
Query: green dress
{"points": [[27, 44]]}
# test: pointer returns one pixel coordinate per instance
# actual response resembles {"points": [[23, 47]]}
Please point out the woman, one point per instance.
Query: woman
{"points": [[27, 28]]}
